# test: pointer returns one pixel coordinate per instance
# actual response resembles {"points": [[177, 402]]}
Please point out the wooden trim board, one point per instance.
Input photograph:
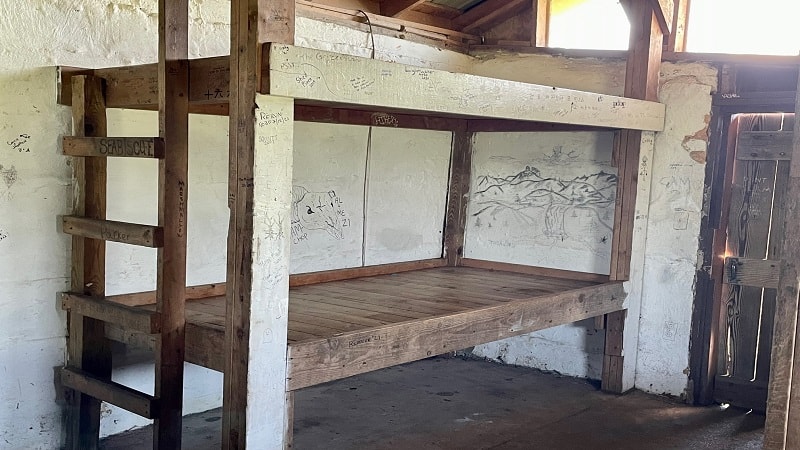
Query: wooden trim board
{"points": [[309, 75], [533, 270]]}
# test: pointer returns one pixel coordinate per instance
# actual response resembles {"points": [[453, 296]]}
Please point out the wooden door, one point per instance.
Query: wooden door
{"points": [[763, 145]]}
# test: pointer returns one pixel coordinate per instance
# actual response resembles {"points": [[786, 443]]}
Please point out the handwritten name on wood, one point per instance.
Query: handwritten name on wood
{"points": [[116, 147]]}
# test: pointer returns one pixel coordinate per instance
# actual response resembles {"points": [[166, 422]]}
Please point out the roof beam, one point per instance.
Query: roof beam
{"points": [[394, 8], [664, 10], [488, 13]]}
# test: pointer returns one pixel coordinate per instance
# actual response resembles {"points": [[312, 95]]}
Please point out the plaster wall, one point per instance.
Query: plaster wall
{"points": [[36, 187], [668, 212]]}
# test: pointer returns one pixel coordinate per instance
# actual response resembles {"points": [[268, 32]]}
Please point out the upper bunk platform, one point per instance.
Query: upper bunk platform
{"points": [[320, 78], [345, 327]]}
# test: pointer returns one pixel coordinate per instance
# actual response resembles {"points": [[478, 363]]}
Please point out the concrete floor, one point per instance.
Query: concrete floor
{"points": [[452, 403]]}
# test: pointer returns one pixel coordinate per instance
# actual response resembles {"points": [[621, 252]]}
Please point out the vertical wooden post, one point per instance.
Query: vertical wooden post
{"points": [[676, 42], [782, 428], [641, 81], [612, 355], [173, 108], [260, 182], [87, 346], [540, 34], [456, 219]]}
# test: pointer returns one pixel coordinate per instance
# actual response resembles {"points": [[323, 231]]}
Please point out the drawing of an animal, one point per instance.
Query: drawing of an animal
{"points": [[316, 211]]}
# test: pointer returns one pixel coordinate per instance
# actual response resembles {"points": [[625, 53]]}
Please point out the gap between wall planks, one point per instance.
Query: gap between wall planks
{"points": [[87, 347], [782, 428]]}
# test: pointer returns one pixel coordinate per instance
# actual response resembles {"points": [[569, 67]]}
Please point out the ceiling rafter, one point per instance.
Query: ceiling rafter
{"points": [[394, 8], [488, 13]]}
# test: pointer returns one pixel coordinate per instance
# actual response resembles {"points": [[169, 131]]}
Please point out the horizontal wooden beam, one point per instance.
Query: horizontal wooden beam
{"points": [[109, 230], [752, 272], [135, 319], [204, 343], [315, 76], [324, 114], [110, 392], [149, 297], [764, 145], [362, 351], [304, 279], [532, 270], [131, 147]]}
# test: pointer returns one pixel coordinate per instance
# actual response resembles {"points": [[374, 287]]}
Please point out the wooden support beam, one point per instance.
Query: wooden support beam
{"points": [[641, 82], [680, 23], [540, 34], [782, 428], [135, 319], [173, 182], [457, 196], [109, 230], [613, 357], [488, 13], [132, 147], [381, 85], [254, 407], [87, 347], [393, 8], [664, 9], [108, 391]]}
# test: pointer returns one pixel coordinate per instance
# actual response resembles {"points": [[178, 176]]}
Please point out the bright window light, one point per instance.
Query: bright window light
{"points": [[589, 24], [766, 27]]}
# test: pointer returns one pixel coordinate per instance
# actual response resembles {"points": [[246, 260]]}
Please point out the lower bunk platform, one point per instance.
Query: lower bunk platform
{"points": [[343, 328]]}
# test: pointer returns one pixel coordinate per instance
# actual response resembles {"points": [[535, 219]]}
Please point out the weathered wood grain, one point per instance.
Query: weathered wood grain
{"points": [[108, 391], [131, 318], [357, 352], [752, 272], [131, 147], [86, 347], [310, 75], [764, 145], [457, 196], [109, 230], [173, 184]]}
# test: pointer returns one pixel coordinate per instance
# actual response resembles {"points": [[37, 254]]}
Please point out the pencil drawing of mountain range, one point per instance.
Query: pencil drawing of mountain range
{"points": [[525, 195]]}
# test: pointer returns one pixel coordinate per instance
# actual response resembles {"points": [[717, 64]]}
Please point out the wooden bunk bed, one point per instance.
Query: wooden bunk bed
{"points": [[328, 325]]}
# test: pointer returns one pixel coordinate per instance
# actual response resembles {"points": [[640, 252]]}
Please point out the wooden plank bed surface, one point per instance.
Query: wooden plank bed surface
{"points": [[341, 328]]}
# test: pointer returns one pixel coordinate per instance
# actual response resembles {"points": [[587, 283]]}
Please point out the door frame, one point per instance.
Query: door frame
{"points": [[707, 304]]}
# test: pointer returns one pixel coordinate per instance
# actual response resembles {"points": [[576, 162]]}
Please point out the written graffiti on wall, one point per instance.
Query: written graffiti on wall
{"points": [[320, 212]]}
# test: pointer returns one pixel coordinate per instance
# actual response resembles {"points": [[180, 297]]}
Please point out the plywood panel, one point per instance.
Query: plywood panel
{"points": [[327, 196], [542, 199], [318, 76], [407, 194]]}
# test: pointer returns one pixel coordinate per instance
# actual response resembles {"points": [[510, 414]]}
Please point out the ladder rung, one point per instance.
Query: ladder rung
{"points": [[128, 317], [108, 230], [130, 147], [110, 392]]}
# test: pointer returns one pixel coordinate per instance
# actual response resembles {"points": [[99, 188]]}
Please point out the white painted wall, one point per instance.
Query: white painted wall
{"points": [[542, 199], [668, 211]]}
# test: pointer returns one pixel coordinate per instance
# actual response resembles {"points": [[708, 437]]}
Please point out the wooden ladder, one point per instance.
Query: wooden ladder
{"points": [[88, 370]]}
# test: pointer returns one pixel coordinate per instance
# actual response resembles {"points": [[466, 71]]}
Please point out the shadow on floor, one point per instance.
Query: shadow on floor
{"points": [[452, 403]]}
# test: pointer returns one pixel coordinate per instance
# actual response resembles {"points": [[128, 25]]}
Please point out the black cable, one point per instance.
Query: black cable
{"points": [[371, 34]]}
